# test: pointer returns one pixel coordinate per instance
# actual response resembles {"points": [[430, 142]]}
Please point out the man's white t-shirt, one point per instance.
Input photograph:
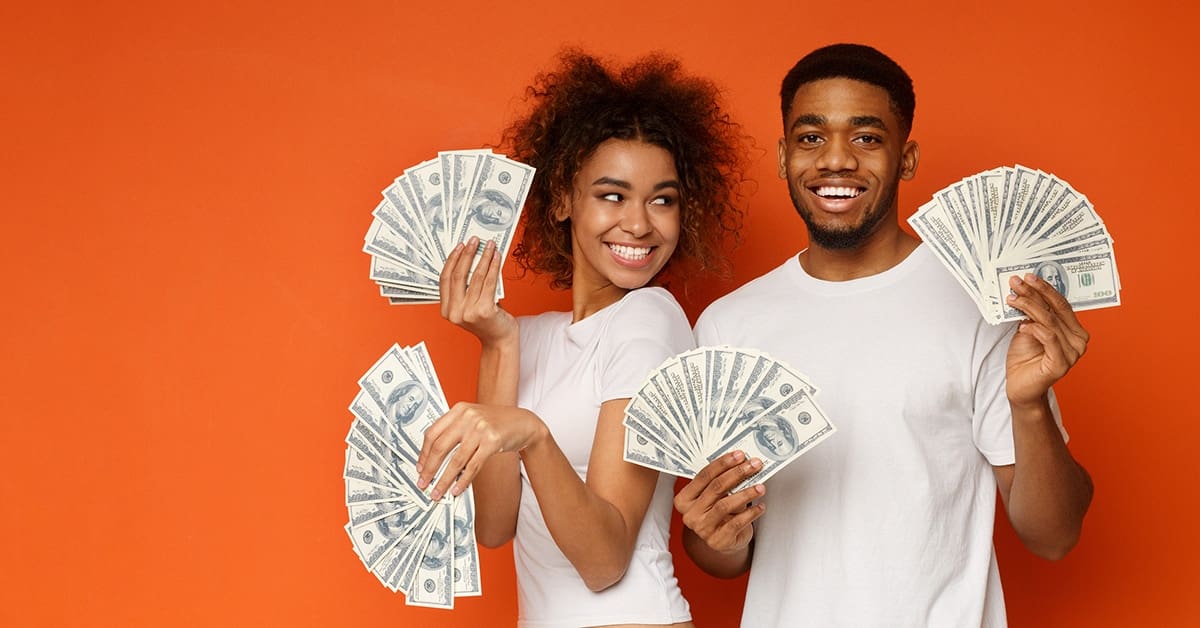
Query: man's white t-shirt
{"points": [[889, 521]]}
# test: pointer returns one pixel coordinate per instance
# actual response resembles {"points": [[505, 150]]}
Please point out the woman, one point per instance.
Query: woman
{"points": [[633, 167]]}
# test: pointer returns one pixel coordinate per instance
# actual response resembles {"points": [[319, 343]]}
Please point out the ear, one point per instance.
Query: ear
{"points": [[909, 158], [783, 158], [562, 207]]}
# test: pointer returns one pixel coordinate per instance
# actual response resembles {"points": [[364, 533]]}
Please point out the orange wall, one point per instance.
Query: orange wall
{"points": [[186, 309]]}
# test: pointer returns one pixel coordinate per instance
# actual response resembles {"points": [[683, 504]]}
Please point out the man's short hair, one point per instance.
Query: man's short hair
{"points": [[852, 61]]}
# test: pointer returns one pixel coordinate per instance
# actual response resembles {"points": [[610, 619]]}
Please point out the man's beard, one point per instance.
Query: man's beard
{"points": [[846, 237]]}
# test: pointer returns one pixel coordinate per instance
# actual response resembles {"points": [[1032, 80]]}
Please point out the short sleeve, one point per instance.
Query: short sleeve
{"points": [[991, 423], [648, 328]]}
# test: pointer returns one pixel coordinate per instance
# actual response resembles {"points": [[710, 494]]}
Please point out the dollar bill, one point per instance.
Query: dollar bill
{"points": [[712, 400], [1011, 220]]}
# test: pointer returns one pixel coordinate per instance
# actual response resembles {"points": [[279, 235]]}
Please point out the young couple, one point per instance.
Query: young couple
{"points": [[887, 524]]}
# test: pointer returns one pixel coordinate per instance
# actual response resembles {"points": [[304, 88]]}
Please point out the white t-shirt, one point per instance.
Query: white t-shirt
{"points": [[567, 371], [889, 521]]}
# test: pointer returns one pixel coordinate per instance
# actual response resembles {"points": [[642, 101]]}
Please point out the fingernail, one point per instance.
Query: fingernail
{"points": [[436, 495], [756, 463], [737, 456], [760, 489]]}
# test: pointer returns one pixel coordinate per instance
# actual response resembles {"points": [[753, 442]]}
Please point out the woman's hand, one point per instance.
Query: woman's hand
{"points": [[473, 306], [478, 431]]}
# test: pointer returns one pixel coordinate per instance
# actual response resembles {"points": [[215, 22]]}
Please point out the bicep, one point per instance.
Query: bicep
{"points": [[626, 486], [1004, 480]]}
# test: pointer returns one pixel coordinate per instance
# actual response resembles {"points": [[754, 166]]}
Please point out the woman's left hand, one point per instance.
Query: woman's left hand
{"points": [[478, 431]]}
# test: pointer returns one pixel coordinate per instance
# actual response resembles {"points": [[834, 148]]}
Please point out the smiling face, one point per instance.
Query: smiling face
{"points": [[625, 213], [843, 156]]}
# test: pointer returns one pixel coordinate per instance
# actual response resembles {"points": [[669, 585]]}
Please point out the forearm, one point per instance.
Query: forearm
{"points": [[1050, 491], [498, 484], [589, 530], [499, 371], [717, 563]]}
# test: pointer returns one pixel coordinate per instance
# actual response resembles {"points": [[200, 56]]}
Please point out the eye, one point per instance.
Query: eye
{"points": [[614, 197], [868, 139], [808, 138], [663, 200]]}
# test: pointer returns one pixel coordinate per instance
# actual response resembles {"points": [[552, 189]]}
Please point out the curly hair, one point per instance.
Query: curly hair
{"points": [[583, 103]]}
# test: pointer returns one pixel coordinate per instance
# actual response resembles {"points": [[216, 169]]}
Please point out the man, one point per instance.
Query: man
{"points": [[889, 522]]}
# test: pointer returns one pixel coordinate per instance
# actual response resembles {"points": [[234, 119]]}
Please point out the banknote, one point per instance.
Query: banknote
{"points": [[435, 205], [412, 544], [709, 401], [1014, 220]]}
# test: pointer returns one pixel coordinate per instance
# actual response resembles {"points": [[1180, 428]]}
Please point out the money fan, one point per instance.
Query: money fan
{"points": [[433, 206], [422, 548], [1011, 221], [706, 402]]}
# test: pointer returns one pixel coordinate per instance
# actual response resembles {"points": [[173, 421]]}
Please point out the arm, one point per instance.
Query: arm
{"points": [[718, 531], [1046, 493], [474, 308], [596, 523]]}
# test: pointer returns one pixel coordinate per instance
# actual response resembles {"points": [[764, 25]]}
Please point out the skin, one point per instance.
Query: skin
{"points": [[843, 133], [626, 194]]}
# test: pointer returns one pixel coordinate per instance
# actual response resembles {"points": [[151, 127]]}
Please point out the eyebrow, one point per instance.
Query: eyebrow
{"points": [[812, 119], [670, 183]]}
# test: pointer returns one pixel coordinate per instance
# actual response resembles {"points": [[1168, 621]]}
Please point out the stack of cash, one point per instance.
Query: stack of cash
{"points": [[435, 205], [710, 401], [1011, 221], [423, 548]]}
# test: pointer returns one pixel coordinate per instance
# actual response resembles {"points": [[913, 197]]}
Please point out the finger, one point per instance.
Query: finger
{"points": [[726, 482], [1073, 332], [492, 276], [1032, 303], [488, 444], [445, 283], [466, 450], [739, 528], [475, 288], [1052, 347], [692, 490]]}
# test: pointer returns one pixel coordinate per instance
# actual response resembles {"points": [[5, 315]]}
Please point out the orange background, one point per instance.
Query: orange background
{"points": [[186, 309]]}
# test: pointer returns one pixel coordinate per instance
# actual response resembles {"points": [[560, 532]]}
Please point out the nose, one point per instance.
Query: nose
{"points": [[837, 155], [635, 219]]}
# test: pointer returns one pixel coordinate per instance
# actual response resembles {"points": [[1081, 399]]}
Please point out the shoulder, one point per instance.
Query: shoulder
{"points": [[650, 303], [649, 314]]}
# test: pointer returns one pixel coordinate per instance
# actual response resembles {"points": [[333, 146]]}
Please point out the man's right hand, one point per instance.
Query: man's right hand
{"points": [[722, 520]]}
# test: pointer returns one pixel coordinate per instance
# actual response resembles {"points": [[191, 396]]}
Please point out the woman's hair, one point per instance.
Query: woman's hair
{"points": [[581, 104]]}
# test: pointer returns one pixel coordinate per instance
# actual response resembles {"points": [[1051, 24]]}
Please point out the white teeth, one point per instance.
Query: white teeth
{"points": [[827, 191], [630, 252]]}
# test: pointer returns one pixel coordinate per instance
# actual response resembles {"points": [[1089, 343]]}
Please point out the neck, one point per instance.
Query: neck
{"points": [[883, 250], [587, 301]]}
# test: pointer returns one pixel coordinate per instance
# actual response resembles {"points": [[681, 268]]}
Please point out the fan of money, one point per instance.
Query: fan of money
{"points": [[422, 548], [706, 402], [433, 206], [1015, 220]]}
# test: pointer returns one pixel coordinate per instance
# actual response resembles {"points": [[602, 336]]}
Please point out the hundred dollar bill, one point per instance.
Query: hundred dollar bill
{"points": [[382, 242], [410, 528], [425, 190], [1087, 281], [459, 168], [494, 204], [466, 551], [779, 435], [639, 450], [433, 584], [400, 195], [405, 401], [391, 216]]}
